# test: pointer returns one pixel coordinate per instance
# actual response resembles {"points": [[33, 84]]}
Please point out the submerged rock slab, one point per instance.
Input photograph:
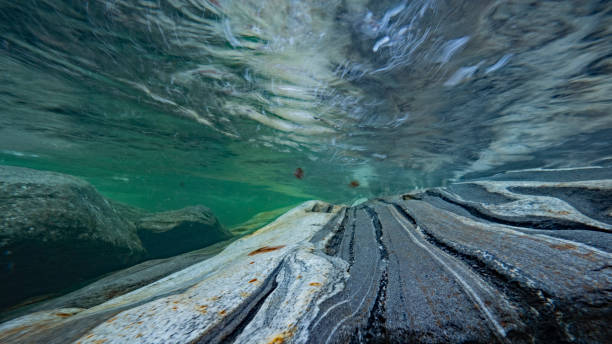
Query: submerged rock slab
{"points": [[500, 260], [210, 299], [173, 232]]}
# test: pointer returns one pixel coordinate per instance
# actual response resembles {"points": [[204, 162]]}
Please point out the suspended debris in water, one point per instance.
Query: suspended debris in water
{"points": [[299, 173], [354, 184]]}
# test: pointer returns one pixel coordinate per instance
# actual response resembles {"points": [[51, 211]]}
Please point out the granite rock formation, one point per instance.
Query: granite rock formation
{"points": [[519, 258], [55, 231]]}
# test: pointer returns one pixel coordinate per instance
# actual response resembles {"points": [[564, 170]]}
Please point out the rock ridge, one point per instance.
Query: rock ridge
{"points": [[485, 261]]}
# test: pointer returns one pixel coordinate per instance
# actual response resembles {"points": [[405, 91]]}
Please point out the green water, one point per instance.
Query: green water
{"points": [[153, 161], [164, 104]]}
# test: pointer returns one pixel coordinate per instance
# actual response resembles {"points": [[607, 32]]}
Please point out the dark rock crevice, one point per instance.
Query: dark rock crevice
{"points": [[537, 312], [334, 243], [376, 331], [384, 255], [416, 268], [234, 323]]}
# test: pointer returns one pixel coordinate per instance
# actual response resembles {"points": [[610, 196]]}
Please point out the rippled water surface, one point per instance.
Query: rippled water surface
{"points": [[168, 103]]}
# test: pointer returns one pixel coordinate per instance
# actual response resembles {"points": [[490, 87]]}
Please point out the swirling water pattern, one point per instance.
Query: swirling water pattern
{"points": [[163, 103]]}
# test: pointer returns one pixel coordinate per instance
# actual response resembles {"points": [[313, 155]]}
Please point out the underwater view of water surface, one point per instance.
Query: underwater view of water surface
{"points": [[138, 130]]}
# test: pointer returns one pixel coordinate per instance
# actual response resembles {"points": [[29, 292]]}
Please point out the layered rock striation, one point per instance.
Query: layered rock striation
{"points": [[519, 258]]}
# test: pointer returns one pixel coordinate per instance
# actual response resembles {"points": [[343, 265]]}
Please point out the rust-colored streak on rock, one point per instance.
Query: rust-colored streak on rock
{"points": [[114, 293], [265, 249], [222, 312], [64, 315], [202, 309], [315, 284], [17, 330], [408, 197], [588, 256], [282, 337], [253, 280], [564, 247]]}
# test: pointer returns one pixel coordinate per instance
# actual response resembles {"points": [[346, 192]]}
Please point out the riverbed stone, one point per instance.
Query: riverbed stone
{"points": [[174, 232], [485, 261], [56, 231]]}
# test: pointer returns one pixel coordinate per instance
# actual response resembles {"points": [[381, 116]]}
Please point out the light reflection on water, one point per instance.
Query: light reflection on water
{"points": [[138, 96]]}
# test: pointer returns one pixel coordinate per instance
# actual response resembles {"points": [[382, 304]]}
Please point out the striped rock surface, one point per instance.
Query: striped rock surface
{"points": [[500, 260]]}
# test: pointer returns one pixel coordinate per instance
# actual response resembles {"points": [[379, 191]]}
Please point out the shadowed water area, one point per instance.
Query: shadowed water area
{"points": [[255, 106]]}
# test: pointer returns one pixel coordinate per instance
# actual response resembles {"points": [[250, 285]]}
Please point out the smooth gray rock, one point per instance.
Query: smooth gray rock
{"points": [[57, 231], [173, 232]]}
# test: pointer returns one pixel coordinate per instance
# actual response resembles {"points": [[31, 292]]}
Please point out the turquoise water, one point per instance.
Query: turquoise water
{"points": [[164, 104]]}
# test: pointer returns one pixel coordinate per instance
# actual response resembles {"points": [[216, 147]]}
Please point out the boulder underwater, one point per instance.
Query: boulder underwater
{"points": [[173, 232], [169, 233], [57, 231], [521, 257]]}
